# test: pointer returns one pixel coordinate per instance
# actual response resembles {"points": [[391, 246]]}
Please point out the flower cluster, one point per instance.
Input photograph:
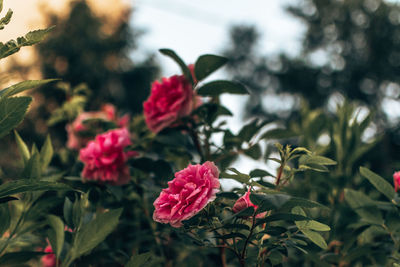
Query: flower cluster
{"points": [[105, 158], [80, 133]]}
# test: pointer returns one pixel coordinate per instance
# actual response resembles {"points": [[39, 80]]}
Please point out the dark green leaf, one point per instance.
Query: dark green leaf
{"points": [[302, 202], [23, 86], [282, 217], [6, 19], [311, 224], [315, 237], [18, 258], [93, 233], [22, 147], [12, 111], [260, 173], [185, 70], [254, 152], [268, 202], [207, 64], [139, 260], [5, 218], [314, 159], [67, 211], [30, 38], [23, 186], [278, 134], [46, 154], [380, 184], [56, 237], [32, 168], [216, 88], [363, 206]]}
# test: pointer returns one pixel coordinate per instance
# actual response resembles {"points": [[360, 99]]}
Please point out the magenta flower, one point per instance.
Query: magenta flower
{"points": [[169, 100], [107, 113], [396, 180], [105, 158], [187, 194]]}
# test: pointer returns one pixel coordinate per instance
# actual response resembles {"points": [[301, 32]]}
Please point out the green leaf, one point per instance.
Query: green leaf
{"points": [[32, 168], [6, 19], [139, 260], [249, 130], [380, 184], [278, 134], [268, 202], [5, 218], [309, 225], [46, 154], [216, 88], [93, 233], [254, 152], [23, 86], [316, 238], [238, 176], [30, 38], [185, 70], [12, 111], [302, 202], [23, 186], [363, 206], [260, 173], [282, 217], [19, 258], [207, 64], [314, 159], [22, 147], [67, 211], [56, 235]]}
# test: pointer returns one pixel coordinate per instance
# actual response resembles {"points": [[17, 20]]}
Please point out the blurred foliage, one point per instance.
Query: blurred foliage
{"points": [[350, 49]]}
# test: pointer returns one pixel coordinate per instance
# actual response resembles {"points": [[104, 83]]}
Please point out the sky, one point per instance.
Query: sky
{"points": [[192, 28]]}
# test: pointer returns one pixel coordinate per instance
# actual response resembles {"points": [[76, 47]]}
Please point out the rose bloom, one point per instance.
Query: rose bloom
{"points": [[396, 180], [244, 202], [170, 99], [107, 113], [49, 260], [105, 159], [187, 194]]}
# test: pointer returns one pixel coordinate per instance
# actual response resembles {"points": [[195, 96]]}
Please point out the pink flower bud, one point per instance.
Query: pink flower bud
{"points": [[396, 180]]}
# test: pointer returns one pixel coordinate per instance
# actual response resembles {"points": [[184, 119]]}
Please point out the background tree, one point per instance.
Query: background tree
{"points": [[350, 49]]}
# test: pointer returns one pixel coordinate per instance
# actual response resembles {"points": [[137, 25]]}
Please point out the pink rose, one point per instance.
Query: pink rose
{"points": [[169, 100], [107, 113], [105, 159], [49, 260], [187, 194], [396, 180], [244, 202]]}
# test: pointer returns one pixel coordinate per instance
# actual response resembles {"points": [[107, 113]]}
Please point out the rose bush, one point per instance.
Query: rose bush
{"points": [[123, 217]]}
